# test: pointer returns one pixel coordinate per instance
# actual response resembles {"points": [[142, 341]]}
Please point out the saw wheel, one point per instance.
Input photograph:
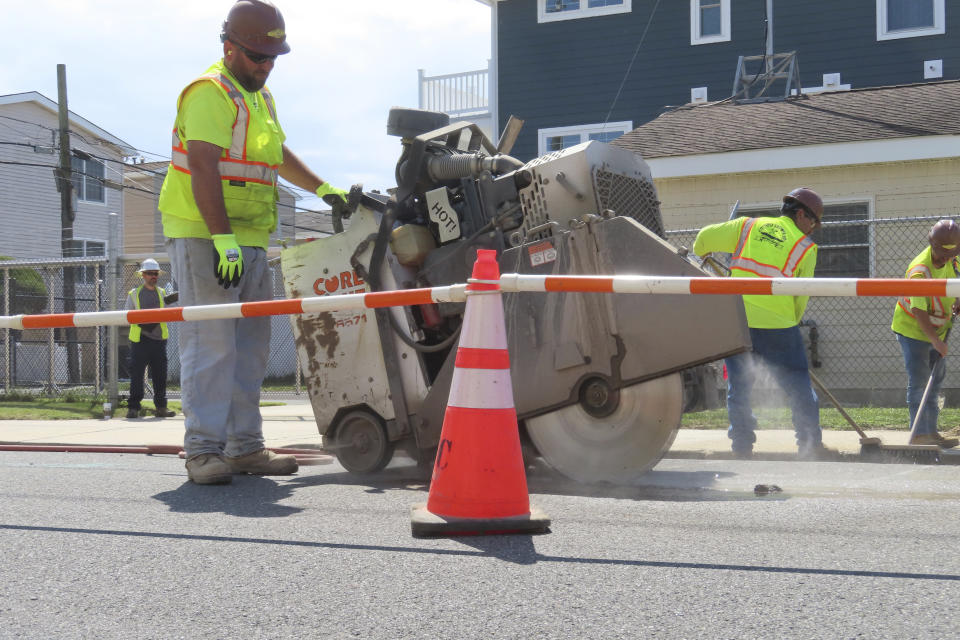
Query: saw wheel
{"points": [[611, 436]]}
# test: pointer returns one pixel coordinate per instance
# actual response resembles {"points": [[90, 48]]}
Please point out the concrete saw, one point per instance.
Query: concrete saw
{"points": [[597, 378]]}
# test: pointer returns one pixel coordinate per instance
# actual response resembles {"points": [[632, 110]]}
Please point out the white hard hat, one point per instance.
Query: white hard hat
{"points": [[148, 265]]}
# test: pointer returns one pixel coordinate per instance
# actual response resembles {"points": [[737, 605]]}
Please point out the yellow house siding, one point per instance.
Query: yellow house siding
{"points": [[927, 187], [858, 351], [138, 230]]}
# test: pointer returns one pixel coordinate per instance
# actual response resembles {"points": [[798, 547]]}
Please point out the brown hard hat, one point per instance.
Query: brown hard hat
{"points": [[945, 236], [808, 198], [256, 25]]}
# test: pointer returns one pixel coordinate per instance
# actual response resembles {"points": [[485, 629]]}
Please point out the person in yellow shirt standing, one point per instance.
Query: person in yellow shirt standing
{"points": [[921, 325], [219, 199], [775, 247]]}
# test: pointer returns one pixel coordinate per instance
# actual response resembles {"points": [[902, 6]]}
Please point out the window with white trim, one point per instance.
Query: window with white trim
{"points": [[843, 250], [709, 21], [87, 179], [557, 138], [554, 10], [83, 248], [910, 18]]}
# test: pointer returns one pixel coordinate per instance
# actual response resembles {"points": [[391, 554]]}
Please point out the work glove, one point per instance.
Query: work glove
{"points": [[331, 195], [227, 260]]}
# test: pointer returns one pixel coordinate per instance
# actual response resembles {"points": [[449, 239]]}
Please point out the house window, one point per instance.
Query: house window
{"points": [[559, 138], [82, 248], [709, 21], [909, 18], [843, 250], [88, 178], [553, 10]]}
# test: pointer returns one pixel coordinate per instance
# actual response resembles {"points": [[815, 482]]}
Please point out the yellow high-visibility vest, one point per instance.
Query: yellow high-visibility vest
{"points": [[249, 167], [938, 308], [135, 328], [764, 248]]}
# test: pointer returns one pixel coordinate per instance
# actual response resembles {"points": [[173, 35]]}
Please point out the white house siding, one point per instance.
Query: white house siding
{"points": [[29, 200]]}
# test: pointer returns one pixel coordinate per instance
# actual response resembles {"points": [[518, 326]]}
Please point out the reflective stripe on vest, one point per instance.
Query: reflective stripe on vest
{"points": [[937, 317], [135, 328], [234, 164], [794, 258]]}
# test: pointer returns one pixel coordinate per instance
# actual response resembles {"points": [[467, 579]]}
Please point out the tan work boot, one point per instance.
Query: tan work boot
{"points": [[264, 463], [209, 468], [163, 412], [935, 439], [947, 443], [818, 451], [952, 433]]}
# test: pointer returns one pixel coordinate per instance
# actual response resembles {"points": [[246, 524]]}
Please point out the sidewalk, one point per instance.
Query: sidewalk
{"points": [[289, 425], [292, 425]]}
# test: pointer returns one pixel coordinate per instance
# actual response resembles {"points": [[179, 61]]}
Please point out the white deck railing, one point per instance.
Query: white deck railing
{"points": [[457, 94]]}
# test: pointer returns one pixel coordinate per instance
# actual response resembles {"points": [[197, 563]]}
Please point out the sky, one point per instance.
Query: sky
{"points": [[350, 62]]}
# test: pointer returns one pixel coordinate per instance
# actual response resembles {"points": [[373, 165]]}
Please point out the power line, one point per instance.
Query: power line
{"points": [[100, 142], [148, 191], [632, 60]]}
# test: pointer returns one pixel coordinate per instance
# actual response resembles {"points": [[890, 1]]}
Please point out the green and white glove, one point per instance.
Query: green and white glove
{"points": [[227, 260], [329, 194]]}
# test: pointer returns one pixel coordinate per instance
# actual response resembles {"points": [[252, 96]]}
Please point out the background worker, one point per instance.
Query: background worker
{"points": [[148, 342], [921, 325], [778, 247], [219, 199]]}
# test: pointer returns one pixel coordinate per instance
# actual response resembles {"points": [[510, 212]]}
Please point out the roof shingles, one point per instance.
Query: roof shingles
{"points": [[880, 113]]}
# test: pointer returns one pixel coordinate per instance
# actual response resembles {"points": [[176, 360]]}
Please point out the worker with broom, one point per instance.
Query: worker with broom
{"points": [[921, 325], [771, 247]]}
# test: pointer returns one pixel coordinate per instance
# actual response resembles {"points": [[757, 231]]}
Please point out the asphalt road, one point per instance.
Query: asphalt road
{"points": [[122, 546]]}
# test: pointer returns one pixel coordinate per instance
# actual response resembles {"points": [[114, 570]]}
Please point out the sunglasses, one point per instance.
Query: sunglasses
{"points": [[255, 58], [151, 273]]}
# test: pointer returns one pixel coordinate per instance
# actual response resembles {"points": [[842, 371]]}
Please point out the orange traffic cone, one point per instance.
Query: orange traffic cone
{"points": [[479, 484]]}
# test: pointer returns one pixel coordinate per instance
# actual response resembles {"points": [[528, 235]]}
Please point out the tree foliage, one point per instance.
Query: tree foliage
{"points": [[28, 292]]}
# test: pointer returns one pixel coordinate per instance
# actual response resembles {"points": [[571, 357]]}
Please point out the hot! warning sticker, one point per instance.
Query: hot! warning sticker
{"points": [[541, 253]]}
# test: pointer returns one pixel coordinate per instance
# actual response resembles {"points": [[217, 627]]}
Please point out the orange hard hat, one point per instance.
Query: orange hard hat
{"points": [[256, 25], [808, 198]]}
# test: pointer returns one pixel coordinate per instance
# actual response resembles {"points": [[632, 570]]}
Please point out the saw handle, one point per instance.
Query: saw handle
{"points": [[340, 209]]}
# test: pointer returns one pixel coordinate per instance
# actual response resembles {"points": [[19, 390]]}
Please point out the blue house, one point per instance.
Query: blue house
{"points": [[577, 70]]}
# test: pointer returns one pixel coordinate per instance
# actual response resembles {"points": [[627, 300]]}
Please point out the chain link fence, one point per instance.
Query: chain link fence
{"points": [[54, 361], [850, 343]]}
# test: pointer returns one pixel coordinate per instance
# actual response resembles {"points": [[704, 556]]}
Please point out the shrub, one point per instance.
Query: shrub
{"points": [[28, 294]]}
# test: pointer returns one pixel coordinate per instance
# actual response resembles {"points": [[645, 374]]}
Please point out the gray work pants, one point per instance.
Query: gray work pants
{"points": [[222, 362]]}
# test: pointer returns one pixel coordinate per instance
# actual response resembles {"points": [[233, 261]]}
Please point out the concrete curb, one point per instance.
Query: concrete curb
{"points": [[293, 426]]}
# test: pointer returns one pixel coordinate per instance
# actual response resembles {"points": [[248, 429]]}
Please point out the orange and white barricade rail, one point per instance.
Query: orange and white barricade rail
{"points": [[403, 297], [509, 282], [863, 287]]}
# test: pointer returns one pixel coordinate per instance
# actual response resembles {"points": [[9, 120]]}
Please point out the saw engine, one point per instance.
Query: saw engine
{"points": [[596, 377]]}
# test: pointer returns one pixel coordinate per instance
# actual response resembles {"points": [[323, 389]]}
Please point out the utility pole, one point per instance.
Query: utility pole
{"points": [[67, 215], [769, 36]]}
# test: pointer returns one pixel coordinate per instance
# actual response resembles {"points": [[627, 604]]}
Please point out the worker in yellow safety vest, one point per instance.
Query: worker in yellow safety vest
{"points": [[772, 247], [148, 343], [219, 199], [921, 325]]}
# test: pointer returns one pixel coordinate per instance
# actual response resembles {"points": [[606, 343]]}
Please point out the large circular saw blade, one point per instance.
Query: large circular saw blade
{"points": [[618, 447]]}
